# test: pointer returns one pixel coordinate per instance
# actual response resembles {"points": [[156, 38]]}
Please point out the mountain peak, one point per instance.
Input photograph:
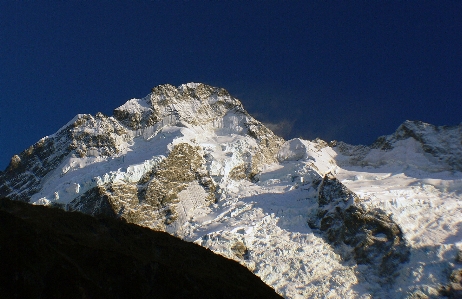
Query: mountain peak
{"points": [[189, 114], [189, 160], [438, 147], [188, 104], [414, 129]]}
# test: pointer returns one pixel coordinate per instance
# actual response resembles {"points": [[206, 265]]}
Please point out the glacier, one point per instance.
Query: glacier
{"points": [[312, 219]]}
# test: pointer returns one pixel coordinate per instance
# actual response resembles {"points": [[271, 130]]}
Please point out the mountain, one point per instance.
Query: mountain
{"points": [[310, 218]]}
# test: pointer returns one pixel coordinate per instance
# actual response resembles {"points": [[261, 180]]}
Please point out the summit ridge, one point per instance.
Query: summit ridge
{"points": [[310, 218]]}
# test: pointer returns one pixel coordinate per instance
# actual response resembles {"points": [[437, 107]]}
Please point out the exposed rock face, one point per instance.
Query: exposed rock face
{"points": [[195, 104], [370, 237], [84, 135], [443, 143], [454, 288], [22, 177], [152, 201], [240, 250], [49, 253], [96, 135], [355, 153], [150, 196]]}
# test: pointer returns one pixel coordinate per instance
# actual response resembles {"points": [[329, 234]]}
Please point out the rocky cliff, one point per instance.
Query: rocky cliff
{"points": [[145, 194]]}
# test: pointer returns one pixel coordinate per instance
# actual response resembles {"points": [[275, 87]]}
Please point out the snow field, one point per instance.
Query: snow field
{"points": [[264, 225]]}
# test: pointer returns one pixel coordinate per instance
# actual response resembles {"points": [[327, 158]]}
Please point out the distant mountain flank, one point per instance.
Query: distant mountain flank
{"points": [[440, 145]]}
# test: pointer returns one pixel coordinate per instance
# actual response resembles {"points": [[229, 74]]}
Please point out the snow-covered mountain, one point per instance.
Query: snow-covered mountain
{"points": [[311, 219]]}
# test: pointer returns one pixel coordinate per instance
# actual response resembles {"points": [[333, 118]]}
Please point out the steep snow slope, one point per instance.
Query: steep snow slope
{"points": [[420, 189], [313, 220]]}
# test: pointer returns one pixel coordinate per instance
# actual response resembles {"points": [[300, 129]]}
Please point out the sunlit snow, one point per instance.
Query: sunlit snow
{"points": [[270, 216]]}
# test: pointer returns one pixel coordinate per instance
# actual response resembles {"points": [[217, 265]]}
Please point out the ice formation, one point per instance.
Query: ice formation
{"points": [[312, 219]]}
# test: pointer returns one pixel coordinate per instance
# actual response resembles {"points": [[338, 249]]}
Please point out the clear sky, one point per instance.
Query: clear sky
{"points": [[345, 70]]}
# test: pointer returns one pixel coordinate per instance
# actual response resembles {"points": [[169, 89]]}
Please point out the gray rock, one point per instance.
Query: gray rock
{"points": [[369, 237]]}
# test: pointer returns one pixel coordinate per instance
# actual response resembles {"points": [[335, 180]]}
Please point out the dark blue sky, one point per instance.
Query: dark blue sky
{"points": [[346, 70]]}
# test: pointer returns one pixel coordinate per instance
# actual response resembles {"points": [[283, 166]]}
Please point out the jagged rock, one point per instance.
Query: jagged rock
{"points": [[22, 177], [382, 144], [454, 289], [269, 144], [14, 163], [370, 237], [84, 135], [101, 138], [459, 256], [442, 142], [356, 153], [239, 172], [332, 193], [151, 201], [93, 202], [240, 250], [417, 295], [192, 103]]}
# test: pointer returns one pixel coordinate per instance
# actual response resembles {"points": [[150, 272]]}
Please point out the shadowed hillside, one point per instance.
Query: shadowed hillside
{"points": [[49, 253]]}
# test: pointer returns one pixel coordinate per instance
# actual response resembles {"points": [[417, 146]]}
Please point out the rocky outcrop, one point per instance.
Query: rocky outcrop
{"points": [[354, 153], [442, 142], [453, 289], [153, 200], [369, 237], [49, 253], [182, 166], [96, 136], [100, 137], [23, 176], [192, 103], [240, 250], [196, 104], [84, 136]]}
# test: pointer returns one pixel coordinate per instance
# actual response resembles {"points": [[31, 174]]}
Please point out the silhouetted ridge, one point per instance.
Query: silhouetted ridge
{"points": [[49, 253]]}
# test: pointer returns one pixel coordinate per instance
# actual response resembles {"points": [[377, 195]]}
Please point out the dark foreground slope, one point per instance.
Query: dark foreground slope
{"points": [[49, 253]]}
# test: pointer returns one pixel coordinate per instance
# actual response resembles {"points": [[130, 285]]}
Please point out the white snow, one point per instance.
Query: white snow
{"points": [[136, 105], [270, 217]]}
